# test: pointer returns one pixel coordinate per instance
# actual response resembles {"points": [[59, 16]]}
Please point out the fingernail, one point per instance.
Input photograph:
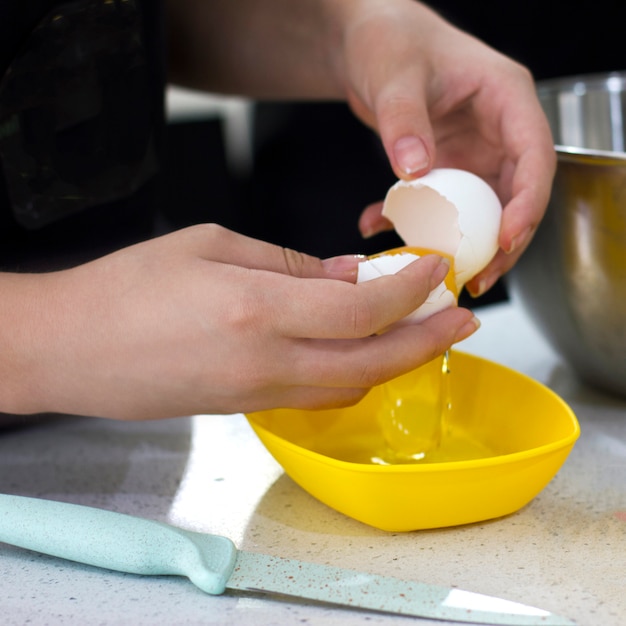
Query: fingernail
{"points": [[520, 241], [484, 284], [467, 329], [410, 154], [344, 266], [476, 293]]}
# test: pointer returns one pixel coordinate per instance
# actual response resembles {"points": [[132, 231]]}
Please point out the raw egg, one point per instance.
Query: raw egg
{"points": [[456, 214], [451, 212]]}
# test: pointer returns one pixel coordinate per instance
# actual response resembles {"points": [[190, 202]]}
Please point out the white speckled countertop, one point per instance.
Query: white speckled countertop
{"points": [[564, 552]]}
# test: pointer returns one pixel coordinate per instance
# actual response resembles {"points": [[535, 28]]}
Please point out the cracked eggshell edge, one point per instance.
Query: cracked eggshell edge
{"points": [[439, 299], [471, 237]]}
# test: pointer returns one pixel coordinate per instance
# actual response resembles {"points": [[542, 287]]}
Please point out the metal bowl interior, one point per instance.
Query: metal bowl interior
{"points": [[572, 279]]}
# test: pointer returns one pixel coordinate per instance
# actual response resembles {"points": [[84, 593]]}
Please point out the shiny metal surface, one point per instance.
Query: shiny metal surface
{"points": [[572, 279]]}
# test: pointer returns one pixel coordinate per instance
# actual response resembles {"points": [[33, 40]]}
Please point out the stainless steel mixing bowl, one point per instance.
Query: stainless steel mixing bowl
{"points": [[572, 279]]}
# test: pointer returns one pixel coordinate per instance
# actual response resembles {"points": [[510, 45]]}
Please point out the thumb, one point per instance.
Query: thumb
{"points": [[404, 127]]}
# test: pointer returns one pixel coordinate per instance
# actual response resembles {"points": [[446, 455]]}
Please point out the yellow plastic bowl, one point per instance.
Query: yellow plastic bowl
{"points": [[527, 432]]}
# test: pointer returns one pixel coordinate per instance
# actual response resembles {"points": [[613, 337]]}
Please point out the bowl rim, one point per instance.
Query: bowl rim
{"points": [[614, 81], [605, 156], [446, 466]]}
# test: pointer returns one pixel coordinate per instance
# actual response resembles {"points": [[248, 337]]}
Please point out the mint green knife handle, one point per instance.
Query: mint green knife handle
{"points": [[116, 541]]}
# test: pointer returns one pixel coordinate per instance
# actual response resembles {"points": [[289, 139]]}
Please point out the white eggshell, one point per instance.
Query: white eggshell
{"points": [[450, 211], [438, 299]]}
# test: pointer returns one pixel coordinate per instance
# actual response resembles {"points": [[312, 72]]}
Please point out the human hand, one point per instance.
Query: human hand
{"points": [[440, 98], [437, 96], [204, 320]]}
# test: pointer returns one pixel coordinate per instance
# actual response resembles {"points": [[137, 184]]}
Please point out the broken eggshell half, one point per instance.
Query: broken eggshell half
{"points": [[449, 211]]}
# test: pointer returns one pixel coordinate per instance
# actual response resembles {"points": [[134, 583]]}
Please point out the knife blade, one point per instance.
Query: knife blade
{"points": [[136, 545]]}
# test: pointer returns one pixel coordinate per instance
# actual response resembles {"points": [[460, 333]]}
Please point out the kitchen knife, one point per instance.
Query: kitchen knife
{"points": [[125, 543]]}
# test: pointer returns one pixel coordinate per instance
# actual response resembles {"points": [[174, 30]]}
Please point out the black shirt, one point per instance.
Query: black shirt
{"points": [[81, 126]]}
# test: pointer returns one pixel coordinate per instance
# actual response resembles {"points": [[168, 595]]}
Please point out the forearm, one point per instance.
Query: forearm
{"points": [[271, 48], [26, 324]]}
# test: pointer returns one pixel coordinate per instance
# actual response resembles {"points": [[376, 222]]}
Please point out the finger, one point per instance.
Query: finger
{"points": [[364, 363], [487, 278], [308, 397], [387, 91], [522, 215], [532, 184], [216, 243], [529, 146], [338, 310], [372, 222], [530, 188], [403, 123]]}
